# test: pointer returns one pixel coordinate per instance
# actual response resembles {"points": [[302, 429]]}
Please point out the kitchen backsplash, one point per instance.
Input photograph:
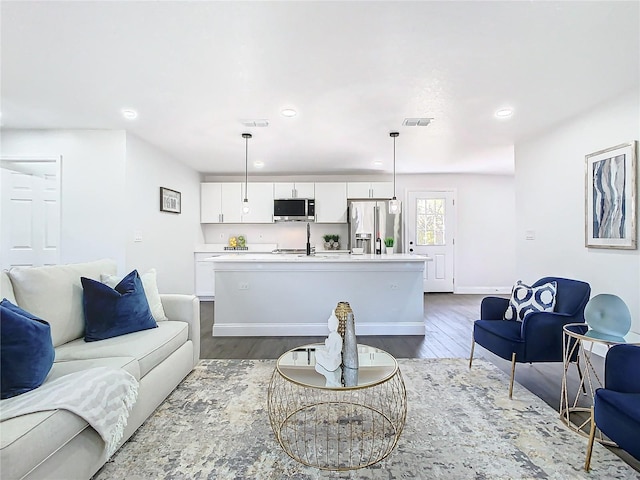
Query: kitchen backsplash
{"points": [[286, 235]]}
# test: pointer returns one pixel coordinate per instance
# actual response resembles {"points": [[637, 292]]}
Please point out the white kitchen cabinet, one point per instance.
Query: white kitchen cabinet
{"points": [[220, 202], [260, 197], [331, 202], [205, 286], [294, 190], [369, 189]]}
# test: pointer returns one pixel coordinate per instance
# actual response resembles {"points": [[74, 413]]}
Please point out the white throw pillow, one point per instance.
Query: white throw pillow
{"points": [[54, 293], [150, 286], [526, 300]]}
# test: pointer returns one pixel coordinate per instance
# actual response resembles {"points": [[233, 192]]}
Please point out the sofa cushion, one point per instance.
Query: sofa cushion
{"points": [[6, 290], [55, 293], [149, 347], [150, 285], [26, 350], [525, 300], [36, 436], [112, 312]]}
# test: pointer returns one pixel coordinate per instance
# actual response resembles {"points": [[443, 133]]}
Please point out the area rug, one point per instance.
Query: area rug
{"points": [[460, 425]]}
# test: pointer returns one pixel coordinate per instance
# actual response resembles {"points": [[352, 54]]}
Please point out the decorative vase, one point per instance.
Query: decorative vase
{"points": [[389, 250], [342, 310], [327, 245], [350, 353], [336, 245]]}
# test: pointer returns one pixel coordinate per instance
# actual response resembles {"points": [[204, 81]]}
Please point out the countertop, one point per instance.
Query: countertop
{"points": [[318, 257]]}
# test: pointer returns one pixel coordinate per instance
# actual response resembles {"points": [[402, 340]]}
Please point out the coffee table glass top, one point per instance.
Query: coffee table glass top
{"points": [[298, 366]]}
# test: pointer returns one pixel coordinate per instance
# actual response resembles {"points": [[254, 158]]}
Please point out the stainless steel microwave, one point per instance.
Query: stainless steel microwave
{"points": [[294, 210]]}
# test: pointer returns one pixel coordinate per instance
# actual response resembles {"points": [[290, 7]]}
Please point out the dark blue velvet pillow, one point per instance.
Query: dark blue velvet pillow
{"points": [[26, 350], [112, 312]]}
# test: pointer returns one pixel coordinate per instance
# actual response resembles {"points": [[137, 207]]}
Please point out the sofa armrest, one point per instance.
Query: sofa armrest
{"points": [[185, 308], [621, 372], [493, 308]]}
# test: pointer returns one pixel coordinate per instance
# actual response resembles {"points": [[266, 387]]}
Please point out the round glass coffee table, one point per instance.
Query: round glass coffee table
{"points": [[337, 428]]}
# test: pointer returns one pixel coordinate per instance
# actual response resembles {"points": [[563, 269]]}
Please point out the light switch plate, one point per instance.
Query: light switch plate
{"points": [[530, 235]]}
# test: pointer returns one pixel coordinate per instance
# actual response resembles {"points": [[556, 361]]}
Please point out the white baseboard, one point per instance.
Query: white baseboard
{"points": [[311, 329], [483, 290]]}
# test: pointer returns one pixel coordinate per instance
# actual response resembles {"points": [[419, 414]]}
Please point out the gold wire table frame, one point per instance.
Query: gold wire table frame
{"points": [[575, 414], [337, 428]]}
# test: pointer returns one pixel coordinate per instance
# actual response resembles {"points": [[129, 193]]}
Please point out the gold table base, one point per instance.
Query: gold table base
{"points": [[337, 428]]}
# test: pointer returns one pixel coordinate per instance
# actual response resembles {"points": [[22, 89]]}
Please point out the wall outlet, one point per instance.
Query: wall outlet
{"points": [[137, 237], [530, 235], [394, 286], [243, 286]]}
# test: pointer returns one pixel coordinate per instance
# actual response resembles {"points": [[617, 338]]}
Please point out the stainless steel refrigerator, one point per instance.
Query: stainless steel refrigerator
{"points": [[369, 219]]}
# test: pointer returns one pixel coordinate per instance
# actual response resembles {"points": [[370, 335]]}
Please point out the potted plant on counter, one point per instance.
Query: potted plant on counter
{"points": [[388, 242], [331, 242]]}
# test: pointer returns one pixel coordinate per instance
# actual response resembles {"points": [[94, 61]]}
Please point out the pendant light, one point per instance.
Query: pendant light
{"points": [[245, 202], [394, 204]]}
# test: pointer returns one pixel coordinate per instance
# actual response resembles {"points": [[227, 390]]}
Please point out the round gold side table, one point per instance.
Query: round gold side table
{"points": [[578, 341], [337, 428]]}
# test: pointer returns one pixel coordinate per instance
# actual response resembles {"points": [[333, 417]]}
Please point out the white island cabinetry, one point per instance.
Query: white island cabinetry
{"points": [[287, 295]]}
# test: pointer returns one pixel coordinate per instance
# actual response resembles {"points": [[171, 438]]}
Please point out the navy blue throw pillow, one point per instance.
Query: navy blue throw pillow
{"points": [[26, 350], [112, 312]]}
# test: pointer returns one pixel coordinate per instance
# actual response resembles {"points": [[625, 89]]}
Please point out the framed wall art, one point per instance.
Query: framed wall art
{"points": [[169, 200], [610, 210]]}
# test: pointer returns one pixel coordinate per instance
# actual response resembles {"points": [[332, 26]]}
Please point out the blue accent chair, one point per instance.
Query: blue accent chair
{"points": [[539, 337], [616, 407]]}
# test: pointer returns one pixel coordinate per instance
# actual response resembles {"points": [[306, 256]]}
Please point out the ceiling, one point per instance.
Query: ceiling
{"points": [[353, 71]]}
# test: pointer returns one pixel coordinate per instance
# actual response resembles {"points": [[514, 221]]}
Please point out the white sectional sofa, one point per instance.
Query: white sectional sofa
{"points": [[58, 444]]}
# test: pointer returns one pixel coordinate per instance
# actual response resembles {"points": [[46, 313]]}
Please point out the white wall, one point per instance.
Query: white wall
{"points": [[485, 237], [550, 200], [92, 188], [485, 225], [110, 189], [168, 239]]}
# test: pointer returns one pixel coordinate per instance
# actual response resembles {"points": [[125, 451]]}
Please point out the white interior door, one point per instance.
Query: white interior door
{"points": [[430, 231], [30, 212]]}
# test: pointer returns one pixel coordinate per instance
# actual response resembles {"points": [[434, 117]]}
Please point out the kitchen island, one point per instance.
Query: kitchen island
{"points": [[287, 295]]}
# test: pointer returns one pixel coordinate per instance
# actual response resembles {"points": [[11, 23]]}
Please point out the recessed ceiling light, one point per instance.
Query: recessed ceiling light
{"points": [[258, 164], [129, 113], [288, 112], [504, 113]]}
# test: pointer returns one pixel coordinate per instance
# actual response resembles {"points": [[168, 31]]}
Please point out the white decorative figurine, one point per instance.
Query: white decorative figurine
{"points": [[329, 357]]}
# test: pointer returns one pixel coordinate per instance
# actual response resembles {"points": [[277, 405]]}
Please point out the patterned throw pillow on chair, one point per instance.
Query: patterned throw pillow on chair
{"points": [[526, 300]]}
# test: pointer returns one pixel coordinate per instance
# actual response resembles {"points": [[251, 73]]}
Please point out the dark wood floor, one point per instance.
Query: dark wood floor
{"points": [[448, 321]]}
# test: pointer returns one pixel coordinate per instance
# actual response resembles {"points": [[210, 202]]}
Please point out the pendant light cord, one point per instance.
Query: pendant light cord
{"points": [[394, 135], [394, 167], [246, 165], [246, 137]]}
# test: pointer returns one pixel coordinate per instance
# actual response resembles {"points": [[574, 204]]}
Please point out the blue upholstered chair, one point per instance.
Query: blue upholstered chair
{"points": [[538, 338], [616, 407]]}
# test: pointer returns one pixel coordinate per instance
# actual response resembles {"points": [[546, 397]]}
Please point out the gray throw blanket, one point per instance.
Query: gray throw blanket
{"points": [[102, 396]]}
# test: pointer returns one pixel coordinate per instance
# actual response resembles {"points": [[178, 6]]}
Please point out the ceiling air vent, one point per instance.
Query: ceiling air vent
{"points": [[416, 122], [255, 123]]}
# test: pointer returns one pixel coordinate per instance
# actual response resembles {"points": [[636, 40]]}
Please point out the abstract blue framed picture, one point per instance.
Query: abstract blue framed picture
{"points": [[611, 197]]}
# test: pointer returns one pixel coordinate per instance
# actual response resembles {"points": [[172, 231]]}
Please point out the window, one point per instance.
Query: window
{"points": [[430, 221]]}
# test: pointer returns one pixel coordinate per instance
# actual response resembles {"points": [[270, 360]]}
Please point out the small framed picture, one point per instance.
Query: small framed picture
{"points": [[610, 210], [169, 200]]}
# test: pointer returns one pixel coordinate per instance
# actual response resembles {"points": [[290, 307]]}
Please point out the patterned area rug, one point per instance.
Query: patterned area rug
{"points": [[460, 425]]}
